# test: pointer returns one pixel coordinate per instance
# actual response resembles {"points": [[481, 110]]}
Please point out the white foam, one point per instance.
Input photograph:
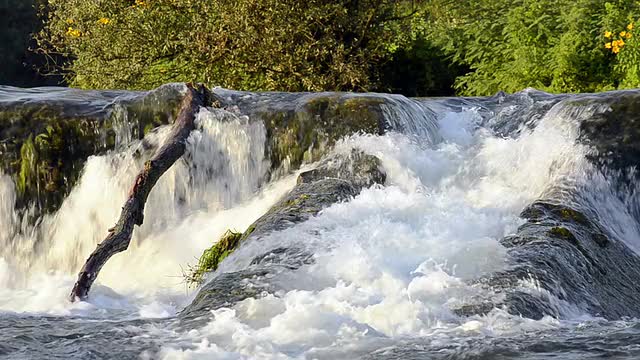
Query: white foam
{"points": [[389, 265], [193, 204], [392, 262]]}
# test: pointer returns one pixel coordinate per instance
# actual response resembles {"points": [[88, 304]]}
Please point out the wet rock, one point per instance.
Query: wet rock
{"points": [[295, 257], [46, 134], [335, 179], [614, 131], [563, 256], [361, 170], [511, 113], [302, 127], [562, 259]]}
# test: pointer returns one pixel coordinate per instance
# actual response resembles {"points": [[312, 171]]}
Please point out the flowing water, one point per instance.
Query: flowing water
{"points": [[390, 265]]}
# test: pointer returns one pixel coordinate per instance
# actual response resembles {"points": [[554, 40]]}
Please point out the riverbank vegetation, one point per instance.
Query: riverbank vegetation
{"points": [[428, 47], [552, 45]]}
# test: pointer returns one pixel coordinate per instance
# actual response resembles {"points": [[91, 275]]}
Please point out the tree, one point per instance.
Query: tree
{"points": [[552, 45], [287, 45]]}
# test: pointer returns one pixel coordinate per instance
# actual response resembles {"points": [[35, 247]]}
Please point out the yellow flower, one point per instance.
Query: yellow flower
{"points": [[615, 45], [140, 3], [623, 33], [73, 32], [608, 34], [630, 27], [70, 21], [104, 21]]}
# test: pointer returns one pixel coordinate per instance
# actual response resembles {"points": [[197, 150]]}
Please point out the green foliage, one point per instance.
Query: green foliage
{"points": [[28, 159], [245, 44], [211, 258], [477, 47], [553, 45]]}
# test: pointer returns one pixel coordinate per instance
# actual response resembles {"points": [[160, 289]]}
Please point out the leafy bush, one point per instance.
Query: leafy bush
{"points": [[246, 44], [416, 48], [553, 45]]}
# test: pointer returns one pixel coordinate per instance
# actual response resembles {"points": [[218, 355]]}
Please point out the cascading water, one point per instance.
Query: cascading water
{"points": [[394, 270], [191, 205], [391, 263]]}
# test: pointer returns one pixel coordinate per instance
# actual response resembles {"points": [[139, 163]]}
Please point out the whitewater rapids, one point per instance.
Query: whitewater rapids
{"points": [[389, 265]]}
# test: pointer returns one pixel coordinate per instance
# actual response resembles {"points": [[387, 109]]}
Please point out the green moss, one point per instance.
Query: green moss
{"points": [[148, 128], [211, 258], [297, 200], [303, 135], [249, 231], [28, 160], [563, 233], [572, 215]]}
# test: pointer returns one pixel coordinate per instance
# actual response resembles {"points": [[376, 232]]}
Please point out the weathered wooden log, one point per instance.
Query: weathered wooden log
{"points": [[133, 210]]}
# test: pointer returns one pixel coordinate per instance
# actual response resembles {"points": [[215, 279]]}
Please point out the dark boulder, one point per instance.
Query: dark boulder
{"points": [[566, 258], [302, 127], [334, 179]]}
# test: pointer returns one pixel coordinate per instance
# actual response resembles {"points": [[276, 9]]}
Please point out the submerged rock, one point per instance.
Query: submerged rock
{"points": [[47, 134], [334, 179], [302, 127], [561, 257]]}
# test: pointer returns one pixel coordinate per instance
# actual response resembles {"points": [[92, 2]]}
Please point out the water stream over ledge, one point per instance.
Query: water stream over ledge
{"points": [[506, 228]]}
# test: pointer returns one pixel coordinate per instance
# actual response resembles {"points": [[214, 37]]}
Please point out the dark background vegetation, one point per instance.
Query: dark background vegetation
{"points": [[412, 47], [18, 65]]}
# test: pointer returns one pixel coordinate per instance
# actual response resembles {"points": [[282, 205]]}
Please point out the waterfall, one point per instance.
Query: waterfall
{"points": [[197, 200], [498, 219]]}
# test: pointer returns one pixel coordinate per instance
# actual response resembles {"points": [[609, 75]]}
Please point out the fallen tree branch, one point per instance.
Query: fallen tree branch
{"points": [[133, 210]]}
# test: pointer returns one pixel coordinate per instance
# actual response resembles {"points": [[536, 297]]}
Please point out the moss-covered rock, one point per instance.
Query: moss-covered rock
{"points": [[303, 127], [308, 132], [47, 134], [337, 178], [562, 233]]}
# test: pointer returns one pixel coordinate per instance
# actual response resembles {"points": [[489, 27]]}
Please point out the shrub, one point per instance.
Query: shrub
{"points": [[552, 45], [288, 45]]}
